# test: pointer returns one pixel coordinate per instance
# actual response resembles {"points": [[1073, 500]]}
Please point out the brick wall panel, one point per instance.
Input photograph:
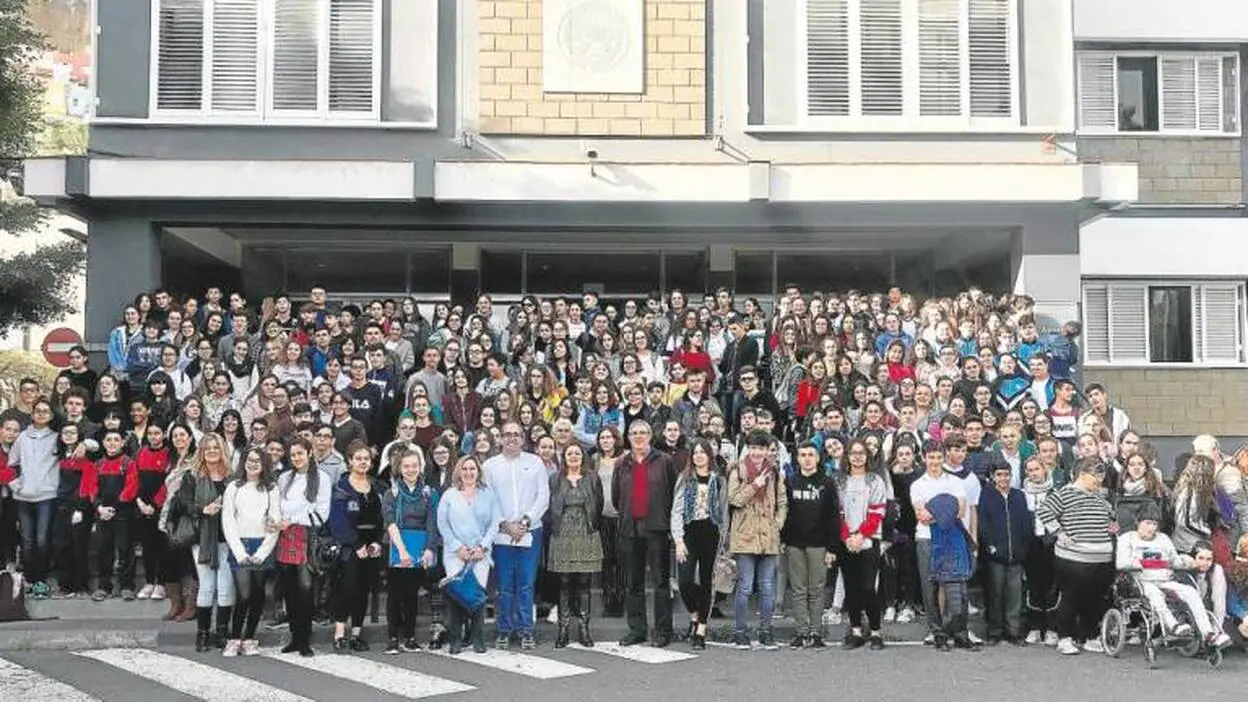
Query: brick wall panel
{"points": [[1178, 402], [1176, 170], [511, 100]]}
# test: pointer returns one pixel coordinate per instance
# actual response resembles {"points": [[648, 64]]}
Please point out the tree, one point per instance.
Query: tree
{"points": [[34, 286]]}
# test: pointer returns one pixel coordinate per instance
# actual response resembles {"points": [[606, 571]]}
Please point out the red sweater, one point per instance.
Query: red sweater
{"points": [[151, 466], [808, 392], [696, 359], [7, 474]]}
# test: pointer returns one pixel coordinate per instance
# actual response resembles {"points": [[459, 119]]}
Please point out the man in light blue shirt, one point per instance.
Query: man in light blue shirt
{"points": [[519, 480]]}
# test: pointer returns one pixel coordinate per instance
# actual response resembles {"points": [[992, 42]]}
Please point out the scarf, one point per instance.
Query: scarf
{"points": [[754, 468], [1038, 489], [239, 370], [1133, 487]]}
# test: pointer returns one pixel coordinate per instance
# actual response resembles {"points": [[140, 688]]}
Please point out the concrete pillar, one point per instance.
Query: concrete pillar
{"points": [[123, 260], [720, 268], [1045, 265], [465, 274]]}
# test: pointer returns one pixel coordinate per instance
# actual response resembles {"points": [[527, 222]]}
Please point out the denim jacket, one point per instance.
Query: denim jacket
{"points": [[687, 493]]}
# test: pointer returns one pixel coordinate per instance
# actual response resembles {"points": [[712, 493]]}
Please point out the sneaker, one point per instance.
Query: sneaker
{"points": [[145, 593], [553, 617], [816, 641], [1066, 646], [158, 592], [358, 644], [832, 617], [127, 595], [503, 642], [251, 647], [1034, 637], [890, 615], [231, 648], [411, 645], [527, 642], [1183, 629], [972, 610], [929, 640], [1093, 646], [905, 616], [341, 645], [1050, 638], [741, 642], [973, 638], [100, 595], [1134, 639], [876, 642], [767, 641], [1220, 640], [63, 594], [42, 591], [853, 641], [798, 641], [392, 648]]}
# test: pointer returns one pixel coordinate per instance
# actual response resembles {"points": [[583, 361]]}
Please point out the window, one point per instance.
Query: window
{"points": [[1167, 93], [267, 60], [902, 64], [1183, 323]]}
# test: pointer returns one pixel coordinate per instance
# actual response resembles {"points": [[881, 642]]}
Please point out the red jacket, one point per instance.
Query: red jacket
{"points": [[696, 359], [111, 482], [151, 466], [808, 392]]}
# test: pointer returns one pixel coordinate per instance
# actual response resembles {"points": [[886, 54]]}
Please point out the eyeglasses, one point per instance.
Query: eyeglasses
{"points": [[512, 435]]}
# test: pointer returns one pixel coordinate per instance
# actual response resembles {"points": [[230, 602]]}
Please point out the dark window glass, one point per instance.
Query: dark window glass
{"points": [[685, 270], [501, 271], [1170, 324], [753, 273], [612, 273], [347, 270], [1137, 94]]}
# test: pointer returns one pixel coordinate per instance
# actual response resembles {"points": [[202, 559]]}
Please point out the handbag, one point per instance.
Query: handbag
{"points": [[182, 533], [464, 589], [724, 572], [323, 550]]}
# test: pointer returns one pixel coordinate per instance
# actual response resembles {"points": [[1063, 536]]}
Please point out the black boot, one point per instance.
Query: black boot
{"points": [[583, 596], [565, 610], [202, 641], [456, 642], [223, 626], [203, 620], [478, 631]]}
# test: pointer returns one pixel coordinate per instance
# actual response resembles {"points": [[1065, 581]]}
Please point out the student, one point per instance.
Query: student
{"points": [[410, 509], [151, 465], [304, 491], [933, 483], [74, 518], [1006, 528], [760, 508], [110, 488], [862, 495], [1041, 591], [250, 517], [699, 513], [356, 522], [33, 458]]}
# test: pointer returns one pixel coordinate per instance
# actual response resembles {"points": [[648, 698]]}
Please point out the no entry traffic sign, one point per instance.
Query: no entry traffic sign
{"points": [[57, 343]]}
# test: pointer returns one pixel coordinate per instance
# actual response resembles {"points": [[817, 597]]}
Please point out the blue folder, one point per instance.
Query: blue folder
{"points": [[414, 540]]}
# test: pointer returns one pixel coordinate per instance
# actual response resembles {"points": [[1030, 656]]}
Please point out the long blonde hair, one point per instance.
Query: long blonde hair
{"points": [[201, 467]]}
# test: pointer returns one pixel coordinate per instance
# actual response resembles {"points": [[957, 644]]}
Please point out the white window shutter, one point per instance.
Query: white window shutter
{"points": [[940, 58], [883, 83], [1096, 323], [1128, 323], [1218, 333], [295, 73], [236, 56], [180, 55], [827, 58], [1209, 94], [1178, 93], [988, 44], [352, 59], [1098, 104]]}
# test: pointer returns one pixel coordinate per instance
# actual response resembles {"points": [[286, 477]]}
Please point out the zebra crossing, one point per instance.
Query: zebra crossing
{"points": [[276, 677]]}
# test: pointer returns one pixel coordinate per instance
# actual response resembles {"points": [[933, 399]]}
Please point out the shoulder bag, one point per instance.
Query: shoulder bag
{"points": [[323, 550], [724, 572]]}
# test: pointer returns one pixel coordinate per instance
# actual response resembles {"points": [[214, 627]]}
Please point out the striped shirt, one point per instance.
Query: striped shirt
{"points": [[1081, 519]]}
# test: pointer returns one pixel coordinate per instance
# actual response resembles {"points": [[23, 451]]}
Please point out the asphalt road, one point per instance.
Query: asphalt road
{"points": [[610, 675]]}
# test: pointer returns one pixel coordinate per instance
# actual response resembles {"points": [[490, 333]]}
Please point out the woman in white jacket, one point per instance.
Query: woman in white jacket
{"points": [[250, 521], [305, 499]]}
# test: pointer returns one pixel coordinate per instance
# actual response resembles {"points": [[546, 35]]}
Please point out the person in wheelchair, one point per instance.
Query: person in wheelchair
{"points": [[1152, 558]]}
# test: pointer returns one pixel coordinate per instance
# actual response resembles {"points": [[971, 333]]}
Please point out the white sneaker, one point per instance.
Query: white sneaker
{"points": [[929, 639], [1050, 638], [251, 647], [972, 610], [1066, 646], [1034, 637], [890, 615], [832, 617], [1134, 639], [231, 648], [1220, 640], [905, 616], [145, 593], [1183, 629], [973, 637], [553, 616], [1093, 646], [158, 592]]}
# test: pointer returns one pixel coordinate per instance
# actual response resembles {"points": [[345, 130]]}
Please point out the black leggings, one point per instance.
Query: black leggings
{"points": [[297, 588], [147, 533], [354, 581], [574, 596], [899, 577], [859, 571], [613, 584], [402, 595], [694, 575], [249, 602]]}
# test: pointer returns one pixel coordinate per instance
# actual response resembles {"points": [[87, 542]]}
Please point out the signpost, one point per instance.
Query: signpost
{"points": [[56, 346]]}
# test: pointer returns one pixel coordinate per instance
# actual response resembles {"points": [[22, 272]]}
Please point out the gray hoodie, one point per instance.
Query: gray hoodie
{"points": [[35, 453], [332, 465]]}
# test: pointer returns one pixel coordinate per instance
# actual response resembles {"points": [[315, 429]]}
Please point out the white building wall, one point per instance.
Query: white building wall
{"points": [[1182, 21]]}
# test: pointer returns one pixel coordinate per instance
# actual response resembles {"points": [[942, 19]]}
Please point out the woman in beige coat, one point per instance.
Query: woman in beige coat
{"points": [[760, 506]]}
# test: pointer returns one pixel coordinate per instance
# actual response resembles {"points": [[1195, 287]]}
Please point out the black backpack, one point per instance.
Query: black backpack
{"points": [[13, 597]]}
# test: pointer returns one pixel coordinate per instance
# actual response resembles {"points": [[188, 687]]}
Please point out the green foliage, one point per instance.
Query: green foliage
{"points": [[36, 286]]}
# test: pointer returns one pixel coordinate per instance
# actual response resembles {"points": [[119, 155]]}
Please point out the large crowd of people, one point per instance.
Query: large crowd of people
{"points": [[856, 459]]}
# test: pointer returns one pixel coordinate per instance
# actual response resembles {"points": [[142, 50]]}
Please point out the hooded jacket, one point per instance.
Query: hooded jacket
{"points": [[33, 456]]}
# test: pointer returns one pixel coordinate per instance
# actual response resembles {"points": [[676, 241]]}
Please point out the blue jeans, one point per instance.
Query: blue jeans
{"points": [[517, 573], [35, 519], [750, 565]]}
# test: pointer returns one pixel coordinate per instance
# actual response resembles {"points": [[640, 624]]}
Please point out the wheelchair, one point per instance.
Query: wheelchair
{"points": [[1130, 620]]}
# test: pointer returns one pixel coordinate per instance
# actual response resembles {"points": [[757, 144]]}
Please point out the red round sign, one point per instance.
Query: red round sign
{"points": [[57, 343]]}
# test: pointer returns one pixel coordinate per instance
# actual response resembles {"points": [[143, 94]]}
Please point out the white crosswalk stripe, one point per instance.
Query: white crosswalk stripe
{"points": [[194, 679], [18, 683], [387, 678], [519, 663], [640, 654]]}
